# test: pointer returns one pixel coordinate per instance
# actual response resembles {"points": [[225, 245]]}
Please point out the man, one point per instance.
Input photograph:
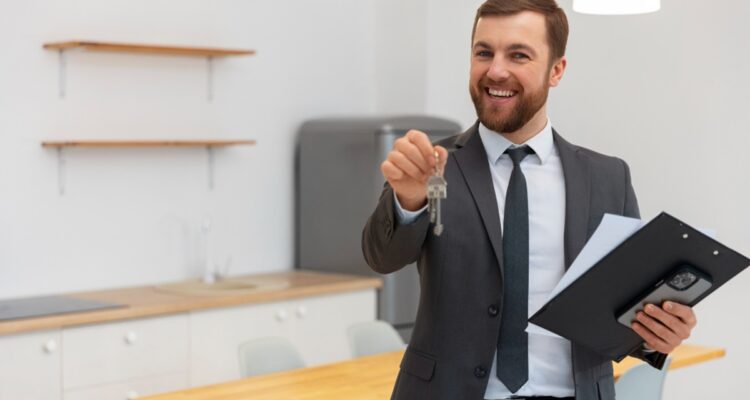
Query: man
{"points": [[521, 204]]}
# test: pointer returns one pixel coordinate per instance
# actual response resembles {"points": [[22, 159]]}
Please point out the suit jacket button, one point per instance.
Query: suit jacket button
{"points": [[492, 310], [480, 372]]}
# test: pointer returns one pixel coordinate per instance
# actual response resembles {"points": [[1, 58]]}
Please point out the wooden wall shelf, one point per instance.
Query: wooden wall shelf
{"points": [[147, 48], [60, 145], [147, 143], [210, 53]]}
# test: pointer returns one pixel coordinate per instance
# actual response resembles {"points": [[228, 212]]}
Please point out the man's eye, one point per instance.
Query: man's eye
{"points": [[484, 53], [520, 56]]}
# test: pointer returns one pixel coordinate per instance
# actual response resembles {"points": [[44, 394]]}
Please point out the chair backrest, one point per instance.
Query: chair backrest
{"points": [[267, 355], [373, 337], [642, 382]]}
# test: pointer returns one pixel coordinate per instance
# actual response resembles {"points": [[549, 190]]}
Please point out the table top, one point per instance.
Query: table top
{"points": [[365, 378]]}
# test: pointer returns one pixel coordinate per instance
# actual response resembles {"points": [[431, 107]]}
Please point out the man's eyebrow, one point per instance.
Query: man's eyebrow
{"points": [[513, 47], [482, 44], [521, 46]]}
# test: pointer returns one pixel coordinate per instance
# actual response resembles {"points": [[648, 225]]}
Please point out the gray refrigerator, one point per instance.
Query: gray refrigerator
{"points": [[338, 183]]}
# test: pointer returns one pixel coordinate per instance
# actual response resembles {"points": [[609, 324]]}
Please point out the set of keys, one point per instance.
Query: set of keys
{"points": [[436, 191]]}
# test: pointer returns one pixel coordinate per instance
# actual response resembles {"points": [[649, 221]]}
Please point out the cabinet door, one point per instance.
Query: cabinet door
{"points": [[30, 366], [123, 351], [217, 334], [315, 325], [321, 322]]}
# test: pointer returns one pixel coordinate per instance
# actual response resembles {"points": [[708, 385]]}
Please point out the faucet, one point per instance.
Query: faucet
{"points": [[209, 275], [212, 271], [215, 273]]}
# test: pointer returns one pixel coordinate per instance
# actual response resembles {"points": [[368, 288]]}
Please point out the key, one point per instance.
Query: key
{"points": [[436, 190]]}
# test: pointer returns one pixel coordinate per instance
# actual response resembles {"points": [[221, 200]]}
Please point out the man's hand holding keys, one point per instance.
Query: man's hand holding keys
{"points": [[409, 165]]}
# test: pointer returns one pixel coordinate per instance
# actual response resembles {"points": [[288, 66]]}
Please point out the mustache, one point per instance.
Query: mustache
{"points": [[504, 85]]}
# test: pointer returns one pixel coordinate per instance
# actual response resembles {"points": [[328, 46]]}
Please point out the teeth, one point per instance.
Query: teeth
{"points": [[501, 93]]}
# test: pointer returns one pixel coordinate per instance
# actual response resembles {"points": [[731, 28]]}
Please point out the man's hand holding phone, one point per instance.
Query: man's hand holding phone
{"points": [[664, 328]]}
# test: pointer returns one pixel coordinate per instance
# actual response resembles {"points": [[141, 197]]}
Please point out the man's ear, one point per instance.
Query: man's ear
{"points": [[557, 71]]}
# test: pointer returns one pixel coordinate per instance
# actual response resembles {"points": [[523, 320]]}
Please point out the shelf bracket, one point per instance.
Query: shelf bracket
{"points": [[61, 73], [210, 166], [60, 171], [210, 78]]}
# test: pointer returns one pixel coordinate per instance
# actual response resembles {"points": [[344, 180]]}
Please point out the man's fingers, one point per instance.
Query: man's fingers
{"points": [[404, 164], [390, 171], [442, 155], [420, 139], [413, 156], [651, 340], [672, 322], [659, 329], [412, 152], [682, 311]]}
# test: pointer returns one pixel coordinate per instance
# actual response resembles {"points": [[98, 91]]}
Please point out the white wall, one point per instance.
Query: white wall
{"points": [[666, 92], [401, 48], [132, 216]]}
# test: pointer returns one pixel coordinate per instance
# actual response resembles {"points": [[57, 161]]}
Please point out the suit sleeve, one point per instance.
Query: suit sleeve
{"points": [[631, 202], [387, 245], [655, 359]]}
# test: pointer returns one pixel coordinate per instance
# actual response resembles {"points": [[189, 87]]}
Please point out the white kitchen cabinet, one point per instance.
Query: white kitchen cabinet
{"points": [[316, 325], [130, 390], [122, 351], [30, 366], [320, 324], [125, 359]]}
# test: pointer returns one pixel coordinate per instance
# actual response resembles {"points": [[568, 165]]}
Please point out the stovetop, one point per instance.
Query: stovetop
{"points": [[31, 307]]}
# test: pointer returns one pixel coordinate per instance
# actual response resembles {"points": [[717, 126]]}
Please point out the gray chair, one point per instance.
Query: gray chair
{"points": [[268, 355], [373, 337], [642, 382]]}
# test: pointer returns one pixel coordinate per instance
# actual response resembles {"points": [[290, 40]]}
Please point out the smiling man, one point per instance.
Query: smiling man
{"points": [[521, 204]]}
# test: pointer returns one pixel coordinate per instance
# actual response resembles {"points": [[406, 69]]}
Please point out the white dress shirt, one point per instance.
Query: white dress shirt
{"points": [[550, 363]]}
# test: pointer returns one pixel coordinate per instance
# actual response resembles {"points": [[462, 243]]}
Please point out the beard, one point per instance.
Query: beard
{"points": [[494, 117]]}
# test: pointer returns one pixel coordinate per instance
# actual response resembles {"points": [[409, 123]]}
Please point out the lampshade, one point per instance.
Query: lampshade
{"points": [[616, 7]]}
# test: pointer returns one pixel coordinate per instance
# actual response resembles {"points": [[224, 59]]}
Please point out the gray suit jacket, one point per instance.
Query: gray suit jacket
{"points": [[461, 272]]}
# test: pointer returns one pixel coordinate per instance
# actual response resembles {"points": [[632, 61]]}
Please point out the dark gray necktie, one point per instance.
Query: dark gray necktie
{"points": [[513, 342]]}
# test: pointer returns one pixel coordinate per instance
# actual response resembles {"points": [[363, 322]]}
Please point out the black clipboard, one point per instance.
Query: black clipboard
{"points": [[586, 311]]}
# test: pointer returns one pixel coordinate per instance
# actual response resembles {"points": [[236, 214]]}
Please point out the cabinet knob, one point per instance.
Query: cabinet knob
{"points": [[50, 346], [282, 315], [302, 311], [131, 337], [132, 395]]}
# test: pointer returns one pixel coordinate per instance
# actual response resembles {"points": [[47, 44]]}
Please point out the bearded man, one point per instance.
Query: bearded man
{"points": [[521, 204]]}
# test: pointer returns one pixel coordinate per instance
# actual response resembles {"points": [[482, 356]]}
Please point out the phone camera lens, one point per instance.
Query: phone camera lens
{"points": [[682, 280]]}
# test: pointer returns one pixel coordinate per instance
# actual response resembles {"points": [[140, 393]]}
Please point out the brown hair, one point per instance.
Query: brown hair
{"points": [[556, 21]]}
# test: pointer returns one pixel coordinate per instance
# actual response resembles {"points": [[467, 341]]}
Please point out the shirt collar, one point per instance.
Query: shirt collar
{"points": [[495, 144]]}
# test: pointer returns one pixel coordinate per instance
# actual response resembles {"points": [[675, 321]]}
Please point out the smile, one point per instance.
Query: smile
{"points": [[501, 93]]}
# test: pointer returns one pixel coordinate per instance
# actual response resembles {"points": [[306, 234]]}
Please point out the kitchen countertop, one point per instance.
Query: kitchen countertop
{"points": [[147, 301]]}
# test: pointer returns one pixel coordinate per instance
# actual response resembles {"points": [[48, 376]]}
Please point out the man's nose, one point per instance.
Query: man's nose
{"points": [[498, 70]]}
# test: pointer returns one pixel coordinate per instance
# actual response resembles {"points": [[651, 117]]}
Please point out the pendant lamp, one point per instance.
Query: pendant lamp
{"points": [[616, 7]]}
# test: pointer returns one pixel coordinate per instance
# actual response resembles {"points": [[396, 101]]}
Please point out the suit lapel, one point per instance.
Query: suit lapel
{"points": [[577, 197], [471, 159]]}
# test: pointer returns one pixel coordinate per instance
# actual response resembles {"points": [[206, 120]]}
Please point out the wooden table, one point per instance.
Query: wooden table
{"points": [[365, 378]]}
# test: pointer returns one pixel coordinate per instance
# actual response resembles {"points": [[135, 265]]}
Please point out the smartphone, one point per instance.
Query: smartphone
{"points": [[685, 285]]}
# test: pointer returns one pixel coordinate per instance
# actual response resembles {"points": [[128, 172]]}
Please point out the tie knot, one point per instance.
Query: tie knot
{"points": [[517, 154]]}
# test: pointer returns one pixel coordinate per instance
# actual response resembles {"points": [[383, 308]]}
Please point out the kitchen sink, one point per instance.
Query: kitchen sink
{"points": [[224, 287]]}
